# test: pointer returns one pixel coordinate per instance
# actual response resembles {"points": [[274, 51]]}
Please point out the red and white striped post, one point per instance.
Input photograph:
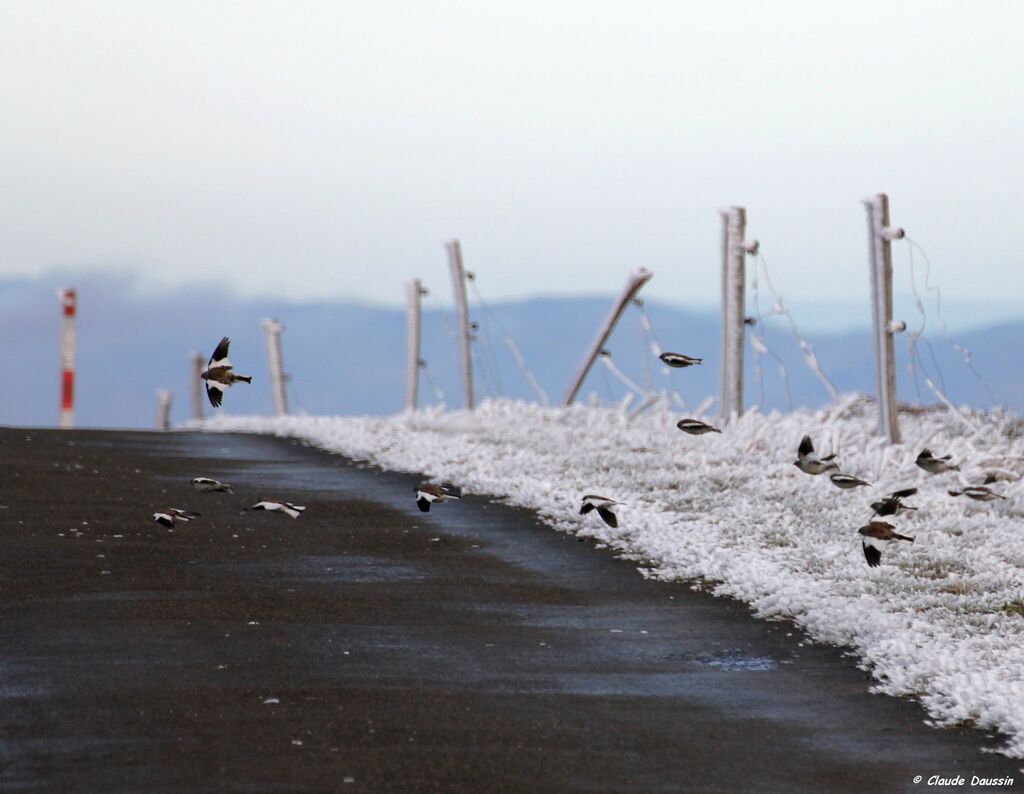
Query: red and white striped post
{"points": [[67, 358]]}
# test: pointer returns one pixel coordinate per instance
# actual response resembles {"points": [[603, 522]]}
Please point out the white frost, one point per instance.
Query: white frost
{"points": [[940, 619]]}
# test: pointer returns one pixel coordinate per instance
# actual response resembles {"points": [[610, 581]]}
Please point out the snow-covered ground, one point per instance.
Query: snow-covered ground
{"points": [[941, 619]]}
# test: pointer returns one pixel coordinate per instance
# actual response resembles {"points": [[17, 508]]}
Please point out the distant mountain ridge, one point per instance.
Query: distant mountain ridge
{"points": [[349, 358]]}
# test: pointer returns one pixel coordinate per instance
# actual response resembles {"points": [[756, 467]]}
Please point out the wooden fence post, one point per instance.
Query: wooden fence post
{"points": [[633, 286], [880, 237], [465, 331]]}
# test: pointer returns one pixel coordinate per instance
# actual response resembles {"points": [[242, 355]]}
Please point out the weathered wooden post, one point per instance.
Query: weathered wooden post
{"points": [[163, 409], [724, 217], [465, 330], [68, 342], [734, 320], [197, 384], [414, 291], [880, 237], [633, 286], [272, 331]]}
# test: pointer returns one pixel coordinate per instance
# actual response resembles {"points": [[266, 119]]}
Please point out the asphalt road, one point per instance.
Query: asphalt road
{"points": [[369, 647]]}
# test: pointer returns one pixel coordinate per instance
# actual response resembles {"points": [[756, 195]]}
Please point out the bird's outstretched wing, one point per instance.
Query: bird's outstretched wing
{"points": [[872, 555], [806, 447], [220, 355], [609, 517], [215, 392]]}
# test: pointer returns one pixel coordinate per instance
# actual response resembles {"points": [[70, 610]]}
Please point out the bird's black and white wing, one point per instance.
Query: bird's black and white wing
{"points": [[215, 391], [609, 517], [806, 448], [903, 494], [872, 551], [425, 497], [586, 508], [220, 355]]}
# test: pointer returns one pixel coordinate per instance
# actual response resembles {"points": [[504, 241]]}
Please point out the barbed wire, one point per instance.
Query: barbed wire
{"points": [[492, 318], [965, 353], [759, 341], [654, 345]]}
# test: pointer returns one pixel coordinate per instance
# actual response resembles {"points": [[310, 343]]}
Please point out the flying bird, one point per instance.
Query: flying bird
{"points": [[219, 374], [429, 493], [678, 360], [875, 536], [604, 506], [846, 481], [808, 463], [279, 507], [695, 427], [933, 465], [206, 484], [170, 516], [892, 505], [979, 493]]}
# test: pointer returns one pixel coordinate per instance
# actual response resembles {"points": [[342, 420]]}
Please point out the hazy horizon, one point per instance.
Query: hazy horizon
{"points": [[330, 149]]}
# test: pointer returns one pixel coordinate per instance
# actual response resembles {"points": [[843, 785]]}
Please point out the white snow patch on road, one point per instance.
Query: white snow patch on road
{"points": [[941, 619]]}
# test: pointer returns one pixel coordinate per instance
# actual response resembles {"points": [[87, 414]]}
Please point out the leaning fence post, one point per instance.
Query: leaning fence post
{"points": [[465, 331], [633, 286], [880, 237]]}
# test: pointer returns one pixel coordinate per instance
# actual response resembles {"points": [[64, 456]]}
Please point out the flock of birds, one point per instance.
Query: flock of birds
{"points": [[875, 535], [220, 375]]}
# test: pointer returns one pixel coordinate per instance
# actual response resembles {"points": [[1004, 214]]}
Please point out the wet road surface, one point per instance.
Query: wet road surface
{"points": [[367, 646]]}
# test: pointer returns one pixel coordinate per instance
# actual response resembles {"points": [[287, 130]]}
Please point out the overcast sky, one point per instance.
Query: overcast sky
{"points": [[329, 149]]}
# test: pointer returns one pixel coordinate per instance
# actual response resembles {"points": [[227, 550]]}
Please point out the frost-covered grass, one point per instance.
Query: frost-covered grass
{"points": [[941, 620]]}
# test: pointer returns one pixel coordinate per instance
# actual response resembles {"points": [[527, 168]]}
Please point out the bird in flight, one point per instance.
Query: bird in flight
{"points": [[979, 493], [809, 463], [933, 465], [219, 374], [892, 505], [170, 516], [678, 360], [875, 536], [206, 484], [695, 427], [604, 506], [429, 493], [846, 481], [279, 507]]}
